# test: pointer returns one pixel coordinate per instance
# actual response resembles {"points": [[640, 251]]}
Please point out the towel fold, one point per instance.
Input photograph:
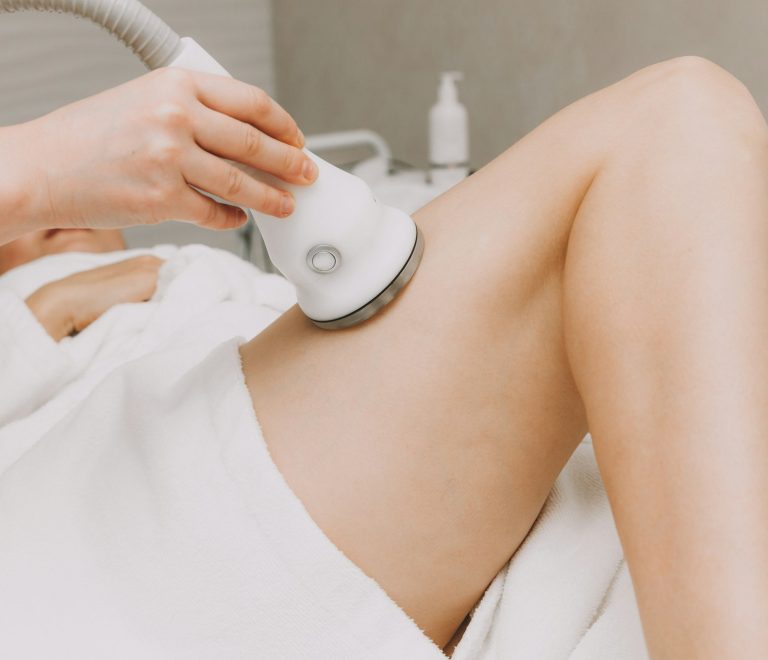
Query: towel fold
{"points": [[151, 523], [204, 296], [566, 592]]}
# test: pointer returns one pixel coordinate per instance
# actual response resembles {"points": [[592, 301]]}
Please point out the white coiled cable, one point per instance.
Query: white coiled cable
{"points": [[153, 41]]}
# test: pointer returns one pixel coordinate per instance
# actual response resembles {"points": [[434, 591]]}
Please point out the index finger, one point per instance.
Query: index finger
{"points": [[249, 104]]}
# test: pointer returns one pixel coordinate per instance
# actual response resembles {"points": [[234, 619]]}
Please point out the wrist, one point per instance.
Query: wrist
{"points": [[50, 308], [23, 205]]}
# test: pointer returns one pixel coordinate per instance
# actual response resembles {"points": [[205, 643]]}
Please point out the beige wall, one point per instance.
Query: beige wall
{"points": [[374, 63]]}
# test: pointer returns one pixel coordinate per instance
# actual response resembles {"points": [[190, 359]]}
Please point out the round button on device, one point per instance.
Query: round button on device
{"points": [[323, 258], [323, 261]]}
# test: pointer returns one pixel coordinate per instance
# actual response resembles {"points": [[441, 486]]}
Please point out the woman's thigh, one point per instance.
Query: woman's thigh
{"points": [[425, 441]]}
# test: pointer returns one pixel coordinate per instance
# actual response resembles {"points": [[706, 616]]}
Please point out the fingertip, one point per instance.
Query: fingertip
{"points": [[300, 139]]}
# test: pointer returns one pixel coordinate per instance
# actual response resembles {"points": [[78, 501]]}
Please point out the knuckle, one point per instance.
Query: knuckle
{"points": [[293, 162], [171, 114], [234, 182], [175, 79], [273, 201], [164, 152], [159, 194], [211, 214], [252, 141], [259, 101], [261, 198]]}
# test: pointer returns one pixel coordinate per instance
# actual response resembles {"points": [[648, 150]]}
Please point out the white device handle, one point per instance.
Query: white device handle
{"points": [[339, 240]]}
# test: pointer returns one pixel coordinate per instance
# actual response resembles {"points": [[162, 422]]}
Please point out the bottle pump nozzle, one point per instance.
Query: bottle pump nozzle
{"points": [[448, 92]]}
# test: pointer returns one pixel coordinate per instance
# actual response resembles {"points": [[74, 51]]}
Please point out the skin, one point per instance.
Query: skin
{"points": [[609, 272], [138, 154], [131, 155], [55, 241], [69, 305]]}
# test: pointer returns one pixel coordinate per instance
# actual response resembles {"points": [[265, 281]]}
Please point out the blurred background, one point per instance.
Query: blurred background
{"points": [[348, 64]]}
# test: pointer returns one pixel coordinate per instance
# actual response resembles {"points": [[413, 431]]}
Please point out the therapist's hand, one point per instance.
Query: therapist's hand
{"points": [[71, 304], [131, 155]]}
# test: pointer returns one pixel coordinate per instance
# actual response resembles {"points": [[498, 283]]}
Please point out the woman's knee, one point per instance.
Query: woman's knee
{"points": [[692, 94]]}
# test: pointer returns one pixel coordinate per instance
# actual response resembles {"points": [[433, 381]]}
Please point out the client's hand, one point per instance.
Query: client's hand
{"points": [[131, 155], [71, 304]]}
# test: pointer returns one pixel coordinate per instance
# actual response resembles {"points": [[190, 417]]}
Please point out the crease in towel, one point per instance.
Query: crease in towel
{"points": [[204, 297], [563, 596]]}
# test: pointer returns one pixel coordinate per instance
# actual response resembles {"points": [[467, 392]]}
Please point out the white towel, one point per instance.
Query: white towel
{"points": [[151, 523], [566, 592], [203, 297]]}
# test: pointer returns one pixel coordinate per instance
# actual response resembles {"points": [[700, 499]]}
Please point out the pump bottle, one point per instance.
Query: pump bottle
{"points": [[448, 135]]}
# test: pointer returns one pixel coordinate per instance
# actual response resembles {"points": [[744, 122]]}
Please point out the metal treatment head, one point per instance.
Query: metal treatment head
{"points": [[387, 295]]}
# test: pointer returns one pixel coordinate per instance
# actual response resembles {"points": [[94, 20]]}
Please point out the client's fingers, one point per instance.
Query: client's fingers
{"points": [[249, 104], [219, 177], [208, 213], [224, 136]]}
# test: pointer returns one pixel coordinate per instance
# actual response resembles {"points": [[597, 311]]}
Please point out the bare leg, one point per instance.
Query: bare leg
{"points": [[666, 323], [425, 441]]}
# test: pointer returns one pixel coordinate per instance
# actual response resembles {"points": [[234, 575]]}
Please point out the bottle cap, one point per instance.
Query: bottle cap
{"points": [[447, 92]]}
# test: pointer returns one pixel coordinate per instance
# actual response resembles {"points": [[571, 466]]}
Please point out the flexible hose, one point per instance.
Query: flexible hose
{"points": [[137, 27]]}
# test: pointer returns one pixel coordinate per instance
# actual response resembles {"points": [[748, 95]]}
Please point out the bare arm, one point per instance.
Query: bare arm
{"points": [[134, 154], [71, 304]]}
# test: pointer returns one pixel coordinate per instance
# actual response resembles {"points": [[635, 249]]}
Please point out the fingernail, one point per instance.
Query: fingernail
{"points": [[286, 206], [310, 170], [302, 140]]}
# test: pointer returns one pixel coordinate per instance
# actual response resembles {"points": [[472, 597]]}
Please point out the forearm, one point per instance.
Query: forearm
{"points": [[22, 195], [48, 308]]}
